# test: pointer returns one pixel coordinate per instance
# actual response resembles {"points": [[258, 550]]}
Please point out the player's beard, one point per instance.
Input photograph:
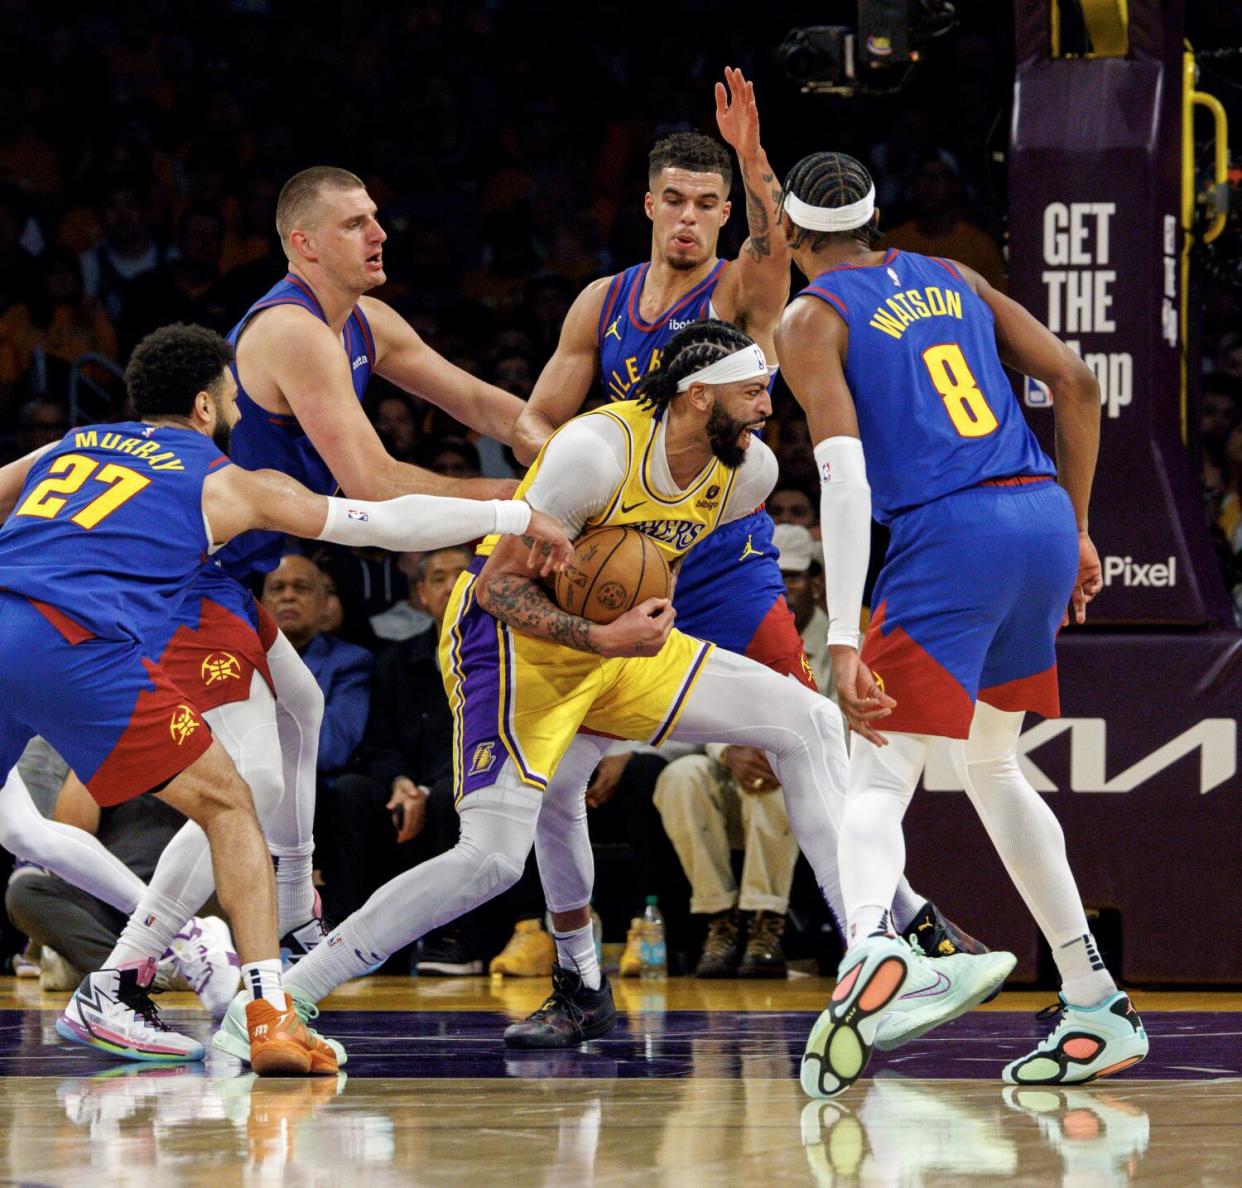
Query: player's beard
{"points": [[222, 434], [722, 434]]}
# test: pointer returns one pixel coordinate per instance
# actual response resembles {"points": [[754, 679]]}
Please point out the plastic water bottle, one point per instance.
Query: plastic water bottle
{"points": [[651, 948]]}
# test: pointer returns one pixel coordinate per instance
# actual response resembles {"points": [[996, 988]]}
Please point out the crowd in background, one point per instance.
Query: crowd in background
{"points": [[142, 147]]}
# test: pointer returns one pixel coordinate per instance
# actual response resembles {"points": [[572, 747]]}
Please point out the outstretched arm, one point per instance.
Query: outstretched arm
{"points": [[567, 377], [762, 269]]}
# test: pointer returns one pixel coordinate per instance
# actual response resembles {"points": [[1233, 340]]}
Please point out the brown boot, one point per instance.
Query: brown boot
{"points": [[764, 957], [722, 949]]}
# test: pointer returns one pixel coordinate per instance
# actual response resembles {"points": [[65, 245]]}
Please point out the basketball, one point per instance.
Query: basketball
{"points": [[613, 570]]}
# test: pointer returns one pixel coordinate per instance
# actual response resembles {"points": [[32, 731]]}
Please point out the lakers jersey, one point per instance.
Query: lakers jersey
{"points": [[265, 440], [629, 346], [109, 526], [674, 522], [936, 412]]}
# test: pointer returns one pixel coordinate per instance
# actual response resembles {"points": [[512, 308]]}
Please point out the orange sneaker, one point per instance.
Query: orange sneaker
{"points": [[282, 1045]]}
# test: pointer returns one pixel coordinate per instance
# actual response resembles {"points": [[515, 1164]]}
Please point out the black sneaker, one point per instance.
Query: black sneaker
{"points": [[447, 954], [764, 957], [571, 1015], [722, 950], [938, 936]]}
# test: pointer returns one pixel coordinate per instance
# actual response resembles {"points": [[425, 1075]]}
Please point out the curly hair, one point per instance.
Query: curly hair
{"points": [[688, 350], [831, 179], [692, 151], [171, 366]]}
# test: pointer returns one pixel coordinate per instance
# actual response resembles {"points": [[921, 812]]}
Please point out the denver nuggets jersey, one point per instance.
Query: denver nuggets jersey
{"points": [[673, 523], [268, 441], [936, 412], [630, 347], [109, 526]]}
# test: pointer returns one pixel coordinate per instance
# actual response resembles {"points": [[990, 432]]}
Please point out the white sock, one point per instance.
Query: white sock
{"points": [[262, 979], [576, 950], [150, 930], [295, 893], [1084, 978], [348, 952], [864, 921]]}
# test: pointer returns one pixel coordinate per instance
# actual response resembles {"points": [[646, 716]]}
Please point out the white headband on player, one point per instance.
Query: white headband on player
{"points": [[748, 363], [831, 218]]}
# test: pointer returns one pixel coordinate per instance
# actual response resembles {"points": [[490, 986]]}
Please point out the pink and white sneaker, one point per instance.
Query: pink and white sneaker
{"points": [[204, 955], [112, 1011]]}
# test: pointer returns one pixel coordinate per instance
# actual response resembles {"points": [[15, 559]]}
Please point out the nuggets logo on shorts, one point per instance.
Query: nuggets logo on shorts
{"points": [[220, 666], [484, 758], [182, 724], [807, 670], [879, 681]]}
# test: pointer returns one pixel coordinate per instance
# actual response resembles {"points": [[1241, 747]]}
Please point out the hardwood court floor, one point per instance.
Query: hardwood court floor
{"points": [[697, 1086]]}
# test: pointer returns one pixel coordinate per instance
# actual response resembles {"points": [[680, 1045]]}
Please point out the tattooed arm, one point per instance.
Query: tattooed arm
{"points": [[507, 590], [757, 292]]}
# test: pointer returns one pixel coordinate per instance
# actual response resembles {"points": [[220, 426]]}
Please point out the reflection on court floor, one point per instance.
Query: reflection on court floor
{"points": [[677, 1095]]}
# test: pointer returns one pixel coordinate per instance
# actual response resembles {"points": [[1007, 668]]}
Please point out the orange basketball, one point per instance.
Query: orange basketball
{"points": [[613, 570]]}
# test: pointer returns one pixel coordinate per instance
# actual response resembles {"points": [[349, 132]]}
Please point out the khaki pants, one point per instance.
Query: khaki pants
{"points": [[706, 817]]}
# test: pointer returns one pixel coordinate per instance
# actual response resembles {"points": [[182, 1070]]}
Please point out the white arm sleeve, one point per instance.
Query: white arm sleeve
{"points": [[580, 470], [755, 479], [845, 523], [416, 523]]}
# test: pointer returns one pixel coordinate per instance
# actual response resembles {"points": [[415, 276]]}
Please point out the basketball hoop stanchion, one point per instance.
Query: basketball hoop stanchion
{"points": [[1143, 767], [1215, 199]]}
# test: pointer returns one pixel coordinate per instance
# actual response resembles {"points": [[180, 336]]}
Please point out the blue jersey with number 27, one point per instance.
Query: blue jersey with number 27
{"points": [[936, 412]]}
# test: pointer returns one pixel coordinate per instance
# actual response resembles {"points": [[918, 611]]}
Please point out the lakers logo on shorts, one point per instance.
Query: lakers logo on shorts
{"points": [[220, 666], [484, 758], [182, 724]]}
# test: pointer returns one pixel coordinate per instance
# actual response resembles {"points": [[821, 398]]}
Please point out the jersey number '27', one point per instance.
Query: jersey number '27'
{"points": [[71, 472], [952, 378]]}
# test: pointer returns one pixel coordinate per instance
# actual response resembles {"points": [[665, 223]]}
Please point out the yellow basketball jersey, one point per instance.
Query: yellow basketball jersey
{"points": [[673, 523]]}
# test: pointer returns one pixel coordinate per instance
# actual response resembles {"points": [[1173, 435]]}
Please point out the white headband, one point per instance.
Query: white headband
{"points": [[748, 363], [831, 218]]}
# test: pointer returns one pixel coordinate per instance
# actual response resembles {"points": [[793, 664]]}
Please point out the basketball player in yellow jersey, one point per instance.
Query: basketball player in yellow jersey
{"points": [[524, 678]]}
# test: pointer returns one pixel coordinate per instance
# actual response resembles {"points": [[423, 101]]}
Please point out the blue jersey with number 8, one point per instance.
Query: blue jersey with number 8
{"points": [[936, 412], [109, 526]]}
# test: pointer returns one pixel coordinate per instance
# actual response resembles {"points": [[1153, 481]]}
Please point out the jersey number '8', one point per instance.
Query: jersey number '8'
{"points": [[965, 404], [71, 472]]}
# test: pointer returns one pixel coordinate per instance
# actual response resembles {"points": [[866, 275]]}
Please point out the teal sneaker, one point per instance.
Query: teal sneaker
{"points": [[871, 975], [1088, 1043], [958, 982], [234, 1036]]}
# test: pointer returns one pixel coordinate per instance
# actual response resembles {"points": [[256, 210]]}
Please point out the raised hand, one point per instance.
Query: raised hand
{"points": [[737, 116]]}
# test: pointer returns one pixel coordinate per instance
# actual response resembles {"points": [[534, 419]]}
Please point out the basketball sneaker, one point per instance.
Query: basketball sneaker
{"points": [[233, 1035], [530, 953], [112, 1011], [297, 942], [959, 981], [204, 956], [281, 1045], [938, 936], [571, 1015], [1088, 1043]]}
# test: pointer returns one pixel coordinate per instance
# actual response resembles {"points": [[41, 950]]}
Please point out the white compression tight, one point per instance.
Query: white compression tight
{"points": [[1027, 836], [497, 832], [739, 701], [183, 878], [76, 856]]}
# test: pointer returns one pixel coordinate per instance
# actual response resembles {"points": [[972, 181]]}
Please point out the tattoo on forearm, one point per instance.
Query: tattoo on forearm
{"points": [[524, 605], [758, 218]]}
